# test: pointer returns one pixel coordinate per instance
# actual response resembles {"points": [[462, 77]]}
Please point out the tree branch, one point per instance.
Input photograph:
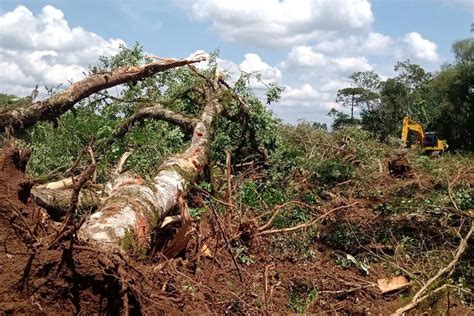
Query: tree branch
{"points": [[56, 202], [416, 298], [156, 111], [24, 117]]}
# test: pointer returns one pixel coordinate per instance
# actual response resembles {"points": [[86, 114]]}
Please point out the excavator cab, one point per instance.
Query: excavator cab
{"points": [[430, 140]]}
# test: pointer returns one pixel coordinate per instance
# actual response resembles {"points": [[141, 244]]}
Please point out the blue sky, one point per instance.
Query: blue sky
{"points": [[308, 46]]}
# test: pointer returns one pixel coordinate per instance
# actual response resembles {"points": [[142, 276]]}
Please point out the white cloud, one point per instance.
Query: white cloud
{"points": [[369, 44], [281, 22], [352, 64], [331, 86], [467, 4], [45, 50], [305, 102], [300, 94], [306, 58], [252, 63], [314, 74], [317, 72], [373, 44], [421, 48]]}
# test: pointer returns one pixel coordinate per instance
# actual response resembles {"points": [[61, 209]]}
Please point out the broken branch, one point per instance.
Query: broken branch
{"points": [[289, 229], [416, 298]]}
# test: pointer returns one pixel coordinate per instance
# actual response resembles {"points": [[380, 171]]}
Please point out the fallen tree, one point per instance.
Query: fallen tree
{"points": [[130, 208], [137, 207]]}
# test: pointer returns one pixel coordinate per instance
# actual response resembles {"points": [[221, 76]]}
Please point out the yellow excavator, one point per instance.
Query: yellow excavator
{"points": [[428, 141]]}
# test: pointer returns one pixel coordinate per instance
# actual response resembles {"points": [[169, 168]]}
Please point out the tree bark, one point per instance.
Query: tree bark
{"points": [[25, 116], [56, 202], [137, 207]]}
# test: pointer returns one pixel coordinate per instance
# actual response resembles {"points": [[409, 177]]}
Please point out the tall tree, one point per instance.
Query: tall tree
{"points": [[464, 51], [362, 93], [454, 84], [369, 82], [350, 97]]}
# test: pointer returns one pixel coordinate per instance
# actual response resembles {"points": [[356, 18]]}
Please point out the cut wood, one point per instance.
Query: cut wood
{"points": [[62, 184], [392, 284]]}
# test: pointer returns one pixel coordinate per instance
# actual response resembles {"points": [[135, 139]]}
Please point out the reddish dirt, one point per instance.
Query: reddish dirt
{"points": [[71, 278], [35, 279], [399, 166]]}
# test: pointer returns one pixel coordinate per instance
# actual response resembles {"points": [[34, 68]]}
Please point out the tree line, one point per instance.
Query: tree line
{"points": [[442, 100]]}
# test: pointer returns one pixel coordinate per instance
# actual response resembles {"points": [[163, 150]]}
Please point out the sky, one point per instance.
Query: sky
{"points": [[310, 47]]}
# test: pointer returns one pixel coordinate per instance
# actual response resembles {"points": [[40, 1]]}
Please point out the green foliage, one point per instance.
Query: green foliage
{"points": [[341, 120], [8, 101], [197, 213], [464, 50], [253, 132], [273, 93], [334, 171], [465, 198], [346, 236], [130, 244], [308, 161], [441, 101], [132, 56], [242, 254], [295, 247], [57, 147], [299, 300], [455, 122]]}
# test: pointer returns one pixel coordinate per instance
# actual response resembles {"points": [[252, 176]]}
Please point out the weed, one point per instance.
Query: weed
{"points": [[300, 298], [241, 252], [197, 213], [296, 247]]}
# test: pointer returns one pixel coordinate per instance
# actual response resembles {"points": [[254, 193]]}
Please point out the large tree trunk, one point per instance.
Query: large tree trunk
{"points": [[25, 116], [136, 207]]}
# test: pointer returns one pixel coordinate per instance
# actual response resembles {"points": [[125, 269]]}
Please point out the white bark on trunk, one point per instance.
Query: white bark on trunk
{"points": [[137, 207]]}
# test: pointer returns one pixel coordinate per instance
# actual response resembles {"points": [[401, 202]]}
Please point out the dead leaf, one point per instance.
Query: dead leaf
{"points": [[392, 284], [206, 252]]}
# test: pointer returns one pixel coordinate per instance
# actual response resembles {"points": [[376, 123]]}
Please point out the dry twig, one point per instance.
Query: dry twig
{"points": [[73, 205], [237, 266], [417, 298], [289, 229]]}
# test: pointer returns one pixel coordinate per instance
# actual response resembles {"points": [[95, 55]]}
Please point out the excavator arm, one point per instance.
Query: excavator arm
{"points": [[411, 126]]}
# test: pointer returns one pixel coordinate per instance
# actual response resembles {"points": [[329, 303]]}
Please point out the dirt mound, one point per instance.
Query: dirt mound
{"points": [[14, 187], [399, 166], [33, 278]]}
